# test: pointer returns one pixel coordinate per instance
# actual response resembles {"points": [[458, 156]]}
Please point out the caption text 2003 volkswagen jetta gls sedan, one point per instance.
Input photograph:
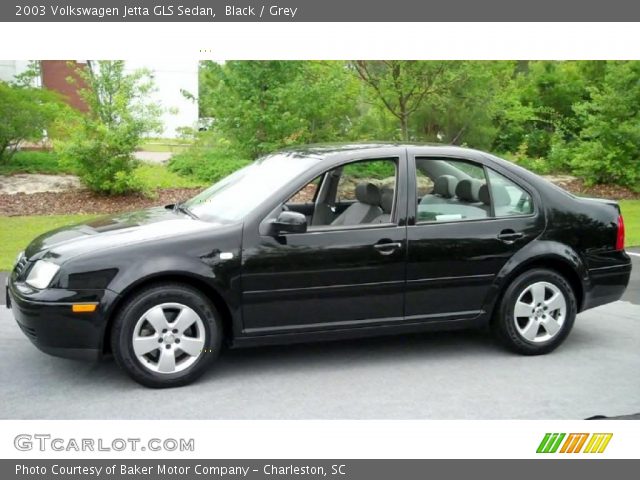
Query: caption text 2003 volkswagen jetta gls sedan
{"points": [[320, 243]]}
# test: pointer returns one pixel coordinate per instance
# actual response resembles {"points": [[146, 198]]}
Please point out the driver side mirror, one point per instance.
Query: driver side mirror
{"points": [[289, 222]]}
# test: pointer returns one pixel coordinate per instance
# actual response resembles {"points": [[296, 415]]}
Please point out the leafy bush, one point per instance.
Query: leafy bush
{"points": [[538, 165], [25, 114], [104, 140], [208, 160], [155, 176], [34, 162], [608, 148], [104, 160], [372, 169]]}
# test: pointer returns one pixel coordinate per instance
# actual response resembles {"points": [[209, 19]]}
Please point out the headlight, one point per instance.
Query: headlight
{"points": [[42, 273]]}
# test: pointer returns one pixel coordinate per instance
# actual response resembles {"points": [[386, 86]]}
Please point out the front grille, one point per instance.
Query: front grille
{"points": [[21, 266]]}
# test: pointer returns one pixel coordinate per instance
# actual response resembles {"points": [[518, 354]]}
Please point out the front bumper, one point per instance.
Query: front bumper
{"points": [[47, 319]]}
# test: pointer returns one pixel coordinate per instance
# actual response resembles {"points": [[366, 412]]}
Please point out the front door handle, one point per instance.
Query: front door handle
{"points": [[387, 248], [509, 236]]}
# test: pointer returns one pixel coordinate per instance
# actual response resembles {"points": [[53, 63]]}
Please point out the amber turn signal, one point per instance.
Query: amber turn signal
{"points": [[83, 308]]}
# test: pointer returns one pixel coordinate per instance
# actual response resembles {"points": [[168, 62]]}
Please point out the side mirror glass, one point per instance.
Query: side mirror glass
{"points": [[289, 222]]}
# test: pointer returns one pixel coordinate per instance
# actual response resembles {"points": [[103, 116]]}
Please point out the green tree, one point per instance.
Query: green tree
{"points": [[537, 107], [104, 139], [464, 112], [259, 106], [404, 87], [26, 113], [607, 149]]}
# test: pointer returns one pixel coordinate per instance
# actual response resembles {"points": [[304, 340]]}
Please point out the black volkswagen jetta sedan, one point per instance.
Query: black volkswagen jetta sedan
{"points": [[320, 243]]}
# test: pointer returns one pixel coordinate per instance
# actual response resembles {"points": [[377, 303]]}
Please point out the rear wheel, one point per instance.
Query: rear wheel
{"points": [[536, 312], [166, 335]]}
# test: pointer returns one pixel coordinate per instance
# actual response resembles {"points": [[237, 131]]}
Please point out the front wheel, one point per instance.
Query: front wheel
{"points": [[166, 335], [536, 312]]}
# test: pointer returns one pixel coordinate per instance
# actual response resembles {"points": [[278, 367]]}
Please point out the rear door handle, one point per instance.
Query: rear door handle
{"points": [[387, 248], [509, 236]]}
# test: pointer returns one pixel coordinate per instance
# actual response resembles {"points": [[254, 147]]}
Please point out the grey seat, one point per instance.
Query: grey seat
{"points": [[386, 203], [476, 185], [499, 195], [468, 193], [365, 209]]}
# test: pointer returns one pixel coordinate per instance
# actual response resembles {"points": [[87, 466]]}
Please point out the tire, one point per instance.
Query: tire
{"points": [[183, 324], [531, 319]]}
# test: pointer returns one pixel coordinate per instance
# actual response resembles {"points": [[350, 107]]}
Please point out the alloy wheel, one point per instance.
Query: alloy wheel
{"points": [[168, 338], [540, 312]]}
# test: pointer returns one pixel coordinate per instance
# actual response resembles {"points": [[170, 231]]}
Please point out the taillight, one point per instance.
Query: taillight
{"points": [[620, 235]]}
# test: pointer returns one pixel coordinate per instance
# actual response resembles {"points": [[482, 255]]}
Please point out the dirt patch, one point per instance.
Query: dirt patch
{"points": [[577, 187], [83, 201], [38, 183], [153, 157]]}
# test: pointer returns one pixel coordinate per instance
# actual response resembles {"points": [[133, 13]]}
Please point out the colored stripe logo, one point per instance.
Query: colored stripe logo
{"points": [[574, 443]]}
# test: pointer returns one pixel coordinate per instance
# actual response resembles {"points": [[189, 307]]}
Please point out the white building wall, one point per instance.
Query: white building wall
{"points": [[10, 68], [171, 77]]}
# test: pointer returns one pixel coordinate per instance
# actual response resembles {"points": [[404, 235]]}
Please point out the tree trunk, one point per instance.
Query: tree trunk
{"points": [[404, 126]]}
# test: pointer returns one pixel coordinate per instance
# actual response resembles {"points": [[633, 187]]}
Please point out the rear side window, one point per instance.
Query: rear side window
{"points": [[507, 197], [456, 190], [449, 190]]}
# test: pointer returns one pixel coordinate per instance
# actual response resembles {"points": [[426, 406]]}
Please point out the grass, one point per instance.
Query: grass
{"points": [[33, 162], [17, 232], [155, 176], [631, 214]]}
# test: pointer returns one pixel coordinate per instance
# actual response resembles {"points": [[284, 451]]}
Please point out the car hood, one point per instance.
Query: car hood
{"points": [[113, 231]]}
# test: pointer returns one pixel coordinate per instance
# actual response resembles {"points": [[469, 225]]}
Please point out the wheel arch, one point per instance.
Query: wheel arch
{"points": [[564, 261], [193, 281]]}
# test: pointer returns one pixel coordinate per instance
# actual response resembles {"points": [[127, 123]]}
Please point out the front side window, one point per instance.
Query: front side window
{"points": [[358, 193], [365, 192]]}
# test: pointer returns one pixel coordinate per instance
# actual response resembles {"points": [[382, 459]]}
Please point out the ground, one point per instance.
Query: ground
{"points": [[461, 375]]}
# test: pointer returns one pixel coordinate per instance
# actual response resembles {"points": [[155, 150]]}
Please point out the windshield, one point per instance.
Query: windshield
{"points": [[233, 197]]}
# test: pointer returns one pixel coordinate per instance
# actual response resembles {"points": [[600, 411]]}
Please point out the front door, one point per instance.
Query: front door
{"points": [[347, 271]]}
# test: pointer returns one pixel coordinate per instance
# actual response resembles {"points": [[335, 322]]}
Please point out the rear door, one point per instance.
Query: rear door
{"points": [[459, 240]]}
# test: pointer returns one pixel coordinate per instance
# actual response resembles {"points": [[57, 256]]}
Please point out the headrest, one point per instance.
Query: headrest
{"points": [[464, 191], [498, 192], [445, 186], [476, 185], [386, 200], [368, 193]]}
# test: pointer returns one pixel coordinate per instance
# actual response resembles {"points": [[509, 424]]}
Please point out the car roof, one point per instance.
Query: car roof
{"points": [[327, 150], [330, 153]]}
